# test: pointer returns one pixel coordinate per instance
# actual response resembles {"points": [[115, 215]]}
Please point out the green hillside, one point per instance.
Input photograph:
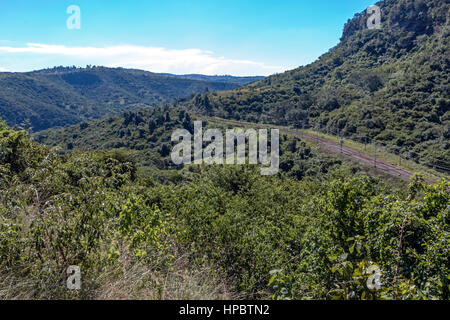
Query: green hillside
{"points": [[389, 86], [64, 96], [144, 137], [226, 232]]}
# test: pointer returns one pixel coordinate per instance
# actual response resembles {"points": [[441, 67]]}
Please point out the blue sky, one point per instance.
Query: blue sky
{"points": [[238, 37]]}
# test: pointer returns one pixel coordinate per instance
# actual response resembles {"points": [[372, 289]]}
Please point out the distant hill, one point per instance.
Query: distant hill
{"points": [[390, 86], [67, 95], [223, 78]]}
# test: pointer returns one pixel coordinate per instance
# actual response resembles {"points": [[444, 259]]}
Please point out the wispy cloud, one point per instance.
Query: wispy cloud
{"points": [[155, 59]]}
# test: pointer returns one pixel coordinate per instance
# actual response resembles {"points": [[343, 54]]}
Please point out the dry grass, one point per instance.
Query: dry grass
{"points": [[14, 288], [138, 281], [180, 282], [140, 284]]}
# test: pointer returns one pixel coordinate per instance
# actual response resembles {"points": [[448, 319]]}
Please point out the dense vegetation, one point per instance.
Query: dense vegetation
{"points": [[225, 232], [390, 86], [63, 96], [105, 196], [144, 137]]}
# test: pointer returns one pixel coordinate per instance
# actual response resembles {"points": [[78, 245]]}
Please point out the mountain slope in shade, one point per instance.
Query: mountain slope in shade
{"points": [[390, 86], [65, 96]]}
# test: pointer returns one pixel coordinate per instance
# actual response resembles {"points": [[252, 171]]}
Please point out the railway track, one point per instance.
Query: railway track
{"points": [[337, 148], [380, 165]]}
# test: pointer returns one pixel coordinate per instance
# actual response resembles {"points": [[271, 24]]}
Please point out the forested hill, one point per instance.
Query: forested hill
{"points": [[64, 96], [388, 85], [217, 78]]}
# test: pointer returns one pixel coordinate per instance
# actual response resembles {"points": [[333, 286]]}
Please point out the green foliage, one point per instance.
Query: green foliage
{"points": [[387, 86], [142, 136], [355, 227], [321, 236]]}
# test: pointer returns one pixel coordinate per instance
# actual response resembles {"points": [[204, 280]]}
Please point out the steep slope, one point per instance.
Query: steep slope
{"points": [[64, 96], [389, 86]]}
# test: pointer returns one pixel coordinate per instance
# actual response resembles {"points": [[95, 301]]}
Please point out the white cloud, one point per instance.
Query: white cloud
{"points": [[3, 70], [155, 59]]}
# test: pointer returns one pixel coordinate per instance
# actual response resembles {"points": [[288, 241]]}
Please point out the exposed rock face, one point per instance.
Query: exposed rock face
{"points": [[413, 17]]}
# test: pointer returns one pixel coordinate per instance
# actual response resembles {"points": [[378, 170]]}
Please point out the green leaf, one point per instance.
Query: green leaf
{"points": [[272, 279], [352, 248]]}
